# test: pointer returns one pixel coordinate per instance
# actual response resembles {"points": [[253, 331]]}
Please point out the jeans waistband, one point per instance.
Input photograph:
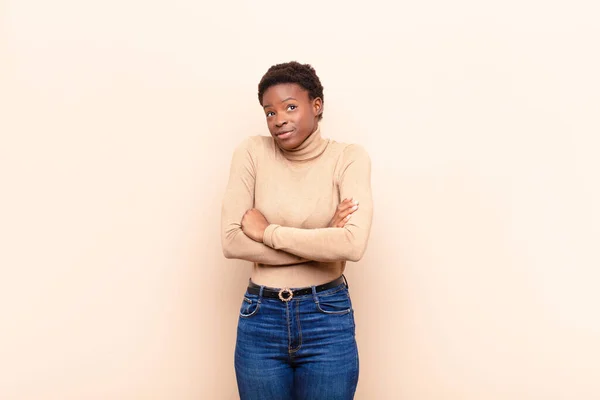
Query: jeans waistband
{"points": [[286, 294]]}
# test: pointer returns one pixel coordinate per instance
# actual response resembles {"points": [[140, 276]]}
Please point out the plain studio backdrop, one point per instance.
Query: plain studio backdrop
{"points": [[118, 122]]}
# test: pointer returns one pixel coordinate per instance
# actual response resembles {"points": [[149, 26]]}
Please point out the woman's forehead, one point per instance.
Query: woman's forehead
{"points": [[282, 92]]}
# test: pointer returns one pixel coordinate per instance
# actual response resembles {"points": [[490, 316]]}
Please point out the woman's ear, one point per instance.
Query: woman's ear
{"points": [[318, 106]]}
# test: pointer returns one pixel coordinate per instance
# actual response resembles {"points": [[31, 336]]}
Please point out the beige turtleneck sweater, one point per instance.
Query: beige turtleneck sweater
{"points": [[298, 192]]}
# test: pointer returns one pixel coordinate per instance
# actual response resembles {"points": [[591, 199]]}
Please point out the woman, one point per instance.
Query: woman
{"points": [[298, 206]]}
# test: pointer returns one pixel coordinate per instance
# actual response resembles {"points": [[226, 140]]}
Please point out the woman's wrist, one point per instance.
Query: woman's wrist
{"points": [[268, 235]]}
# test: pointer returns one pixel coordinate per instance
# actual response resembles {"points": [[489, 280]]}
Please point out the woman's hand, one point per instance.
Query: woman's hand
{"points": [[254, 224], [343, 213]]}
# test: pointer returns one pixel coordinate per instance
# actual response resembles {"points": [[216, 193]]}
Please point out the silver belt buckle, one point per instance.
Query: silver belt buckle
{"points": [[285, 299]]}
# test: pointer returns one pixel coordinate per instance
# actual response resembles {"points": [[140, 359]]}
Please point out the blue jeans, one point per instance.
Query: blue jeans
{"points": [[304, 349]]}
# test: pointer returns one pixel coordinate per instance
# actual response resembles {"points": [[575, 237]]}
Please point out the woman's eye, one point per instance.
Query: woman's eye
{"points": [[292, 107], [270, 114]]}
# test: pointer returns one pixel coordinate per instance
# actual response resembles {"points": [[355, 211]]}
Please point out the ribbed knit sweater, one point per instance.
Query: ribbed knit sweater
{"points": [[298, 192]]}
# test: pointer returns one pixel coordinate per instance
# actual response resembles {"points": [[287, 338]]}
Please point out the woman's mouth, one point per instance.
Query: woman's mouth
{"points": [[284, 135]]}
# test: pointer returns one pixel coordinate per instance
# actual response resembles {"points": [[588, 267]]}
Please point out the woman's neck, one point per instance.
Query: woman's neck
{"points": [[311, 148]]}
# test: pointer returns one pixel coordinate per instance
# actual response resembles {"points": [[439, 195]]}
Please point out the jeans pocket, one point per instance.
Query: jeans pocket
{"points": [[250, 306], [334, 303]]}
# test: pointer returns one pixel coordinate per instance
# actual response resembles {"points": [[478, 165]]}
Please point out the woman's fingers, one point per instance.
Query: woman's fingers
{"points": [[345, 211], [348, 211], [344, 220], [338, 217], [344, 204]]}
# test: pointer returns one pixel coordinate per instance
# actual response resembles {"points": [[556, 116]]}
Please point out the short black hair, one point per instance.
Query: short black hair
{"points": [[303, 75]]}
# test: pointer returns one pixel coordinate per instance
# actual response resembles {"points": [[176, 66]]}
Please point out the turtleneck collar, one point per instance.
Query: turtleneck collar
{"points": [[312, 147]]}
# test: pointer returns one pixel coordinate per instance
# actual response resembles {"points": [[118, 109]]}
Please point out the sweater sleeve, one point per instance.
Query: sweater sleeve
{"points": [[334, 244], [239, 197]]}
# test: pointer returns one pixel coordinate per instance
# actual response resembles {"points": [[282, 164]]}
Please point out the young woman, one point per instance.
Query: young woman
{"points": [[298, 206]]}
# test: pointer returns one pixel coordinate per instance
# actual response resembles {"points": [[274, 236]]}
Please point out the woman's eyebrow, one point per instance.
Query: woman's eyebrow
{"points": [[283, 101]]}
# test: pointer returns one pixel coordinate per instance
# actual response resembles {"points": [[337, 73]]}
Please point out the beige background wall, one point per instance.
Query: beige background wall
{"points": [[118, 120]]}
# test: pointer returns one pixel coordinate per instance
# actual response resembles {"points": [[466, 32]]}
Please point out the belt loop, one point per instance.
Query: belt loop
{"points": [[314, 293], [260, 294], [346, 281]]}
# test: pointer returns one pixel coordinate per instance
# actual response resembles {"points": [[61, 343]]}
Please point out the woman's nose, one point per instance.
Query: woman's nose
{"points": [[280, 122]]}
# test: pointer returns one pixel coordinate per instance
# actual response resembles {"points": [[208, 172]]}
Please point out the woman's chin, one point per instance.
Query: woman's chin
{"points": [[287, 143]]}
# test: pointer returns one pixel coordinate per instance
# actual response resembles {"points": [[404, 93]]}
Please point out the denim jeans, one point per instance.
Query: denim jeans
{"points": [[303, 349]]}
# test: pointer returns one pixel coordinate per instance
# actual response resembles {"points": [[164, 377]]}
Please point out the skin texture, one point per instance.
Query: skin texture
{"points": [[288, 108], [343, 213], [254, 224]]}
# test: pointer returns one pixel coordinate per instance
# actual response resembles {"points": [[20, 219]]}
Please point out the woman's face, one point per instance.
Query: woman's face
{"points": [[291, 115]]}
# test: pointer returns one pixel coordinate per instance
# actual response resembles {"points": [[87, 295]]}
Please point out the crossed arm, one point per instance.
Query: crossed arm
{"points": [[246, 234]]}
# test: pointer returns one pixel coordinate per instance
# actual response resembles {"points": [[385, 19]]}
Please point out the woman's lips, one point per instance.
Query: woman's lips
{"points": [[284, 135]]}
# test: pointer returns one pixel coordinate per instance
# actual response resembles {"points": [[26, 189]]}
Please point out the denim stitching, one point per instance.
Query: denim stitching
{"points": [[299, 328], [253, 312], [357, 364], [330, 293], [287, 314], [334, 312]]}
